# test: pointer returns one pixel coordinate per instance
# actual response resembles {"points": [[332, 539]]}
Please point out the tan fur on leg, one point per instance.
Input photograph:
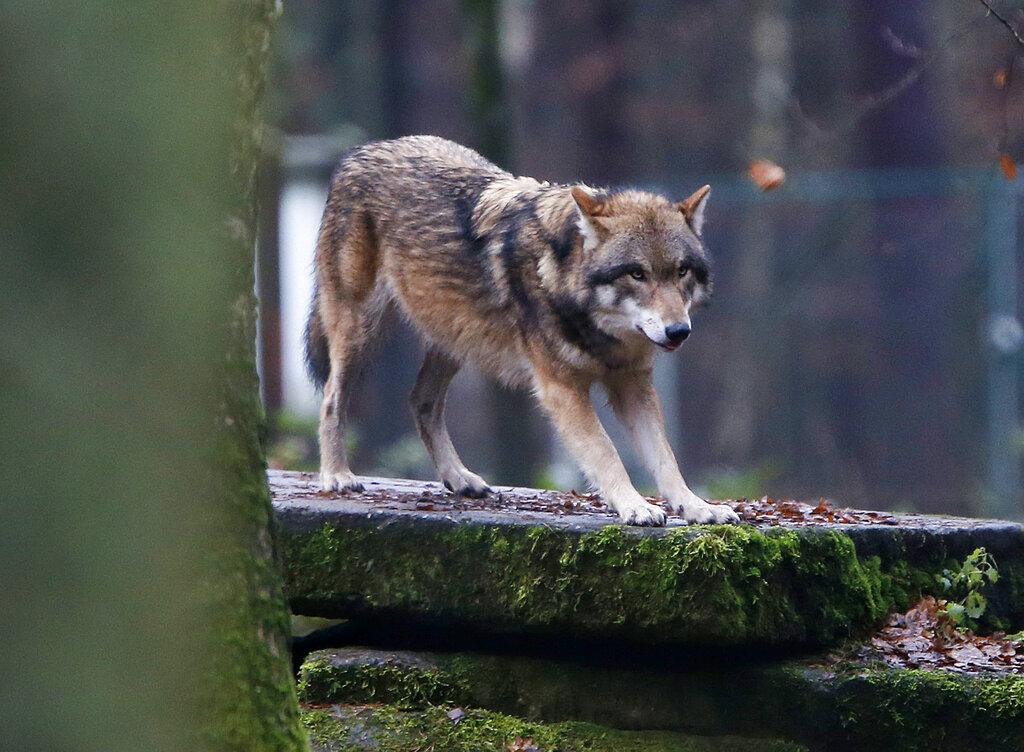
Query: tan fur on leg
{"points": [[636, 404], [568, 404]]}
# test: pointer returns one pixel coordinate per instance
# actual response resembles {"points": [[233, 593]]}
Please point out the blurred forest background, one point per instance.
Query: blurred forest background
{"points": [[863, 343]]}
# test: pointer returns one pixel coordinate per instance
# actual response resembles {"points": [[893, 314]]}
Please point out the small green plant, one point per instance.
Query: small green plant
{"points": [[963, 586]]}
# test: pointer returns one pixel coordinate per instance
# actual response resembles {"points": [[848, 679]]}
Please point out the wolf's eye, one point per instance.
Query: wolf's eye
{"points": [[638, 274], [684, 272]]}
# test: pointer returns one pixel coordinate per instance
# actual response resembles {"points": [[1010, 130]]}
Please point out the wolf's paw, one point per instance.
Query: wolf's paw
{"points": [[343, 481], [699, 512], [722, 515], [643, 514], [465, 483]]}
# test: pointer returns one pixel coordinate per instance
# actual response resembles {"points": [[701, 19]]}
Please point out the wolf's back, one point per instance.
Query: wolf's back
{"points": [[417, 190]]}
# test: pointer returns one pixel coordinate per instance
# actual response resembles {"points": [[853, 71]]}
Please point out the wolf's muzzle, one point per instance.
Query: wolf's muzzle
{"points": [[676, 333]]}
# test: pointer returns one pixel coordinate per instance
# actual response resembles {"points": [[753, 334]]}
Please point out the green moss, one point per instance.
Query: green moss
{"points": [[405, 684], [249, 690], [710, 585], [705, 585], [387, 729], [907, 711]]}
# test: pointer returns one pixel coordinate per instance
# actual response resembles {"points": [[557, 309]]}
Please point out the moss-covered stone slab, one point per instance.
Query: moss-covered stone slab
{"points": [[409, 551], [385, 728], [853, 707]]}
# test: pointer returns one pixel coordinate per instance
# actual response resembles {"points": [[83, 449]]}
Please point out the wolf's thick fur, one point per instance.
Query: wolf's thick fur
{"points": [[548, 286]]}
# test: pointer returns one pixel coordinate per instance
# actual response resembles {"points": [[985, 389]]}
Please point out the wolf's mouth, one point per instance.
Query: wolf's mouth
{"points": [[667, 347]]}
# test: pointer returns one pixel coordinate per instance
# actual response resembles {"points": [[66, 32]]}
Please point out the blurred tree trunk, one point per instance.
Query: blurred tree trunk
{"points": [[750, 370], [137, 538], [515, 454], [250, 691], [271, 181]]}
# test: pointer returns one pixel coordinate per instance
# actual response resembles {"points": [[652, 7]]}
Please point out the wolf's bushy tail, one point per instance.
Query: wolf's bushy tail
{"points": [[318, 357]]}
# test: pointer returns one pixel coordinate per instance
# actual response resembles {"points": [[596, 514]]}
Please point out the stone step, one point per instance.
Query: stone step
{"points": [[386, 728], [545, 563], [849, 707]]}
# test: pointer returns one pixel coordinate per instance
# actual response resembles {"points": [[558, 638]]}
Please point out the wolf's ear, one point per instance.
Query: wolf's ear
{"points": [[693, 208], [589, 204], [588, 208]]}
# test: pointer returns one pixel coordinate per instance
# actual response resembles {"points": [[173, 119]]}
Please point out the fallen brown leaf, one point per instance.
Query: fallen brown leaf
{"points": [[766, 174], [1008, 166], [924, 638], [522, 745]]}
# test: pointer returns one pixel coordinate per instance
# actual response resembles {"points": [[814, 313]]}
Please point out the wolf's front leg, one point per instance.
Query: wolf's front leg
{"points": [[636, 404], [570, 408]]}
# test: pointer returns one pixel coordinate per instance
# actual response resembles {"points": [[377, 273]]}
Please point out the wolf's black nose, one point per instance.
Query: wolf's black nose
{"points": [[676, 333]]}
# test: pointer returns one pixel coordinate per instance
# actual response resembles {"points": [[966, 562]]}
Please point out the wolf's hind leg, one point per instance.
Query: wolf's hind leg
{"points": [[348, 308], [345, 347], [427, 401]]}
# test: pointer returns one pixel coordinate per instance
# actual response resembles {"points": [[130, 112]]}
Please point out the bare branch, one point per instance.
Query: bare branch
{"points": [[877, 100], [1003, 21], [901, 46]]}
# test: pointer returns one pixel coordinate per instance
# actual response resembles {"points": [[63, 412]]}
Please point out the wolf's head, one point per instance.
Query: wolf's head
{"points": [[646, 267]]}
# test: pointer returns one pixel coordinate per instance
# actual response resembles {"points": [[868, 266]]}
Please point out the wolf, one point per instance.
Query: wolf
{"points": [[546, 286]]}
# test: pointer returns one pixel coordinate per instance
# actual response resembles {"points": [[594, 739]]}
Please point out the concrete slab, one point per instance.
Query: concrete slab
{"points": [[839, 708], [544, 562]]}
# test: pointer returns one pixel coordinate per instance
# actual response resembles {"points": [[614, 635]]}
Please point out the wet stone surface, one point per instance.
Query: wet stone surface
{"points": [[585, 510]]}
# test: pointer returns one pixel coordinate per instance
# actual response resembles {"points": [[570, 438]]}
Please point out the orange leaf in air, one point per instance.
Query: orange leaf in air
{"points": [[1009, 168], [766, 174]]}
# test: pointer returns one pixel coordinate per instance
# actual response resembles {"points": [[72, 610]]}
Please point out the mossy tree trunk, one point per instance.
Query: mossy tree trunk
{"points": [[250, 689], [135, 526]]}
